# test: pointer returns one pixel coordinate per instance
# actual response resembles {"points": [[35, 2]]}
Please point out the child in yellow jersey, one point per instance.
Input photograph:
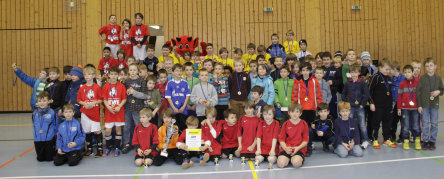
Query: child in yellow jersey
{"points": [[223, 53], [166, 52], [291, 46], [249, 56], [210, 53], [261, 50]]}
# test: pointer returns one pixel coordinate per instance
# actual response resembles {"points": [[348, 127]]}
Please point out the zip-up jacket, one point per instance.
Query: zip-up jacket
{"points": [[356, 91], [44, 122], [269, 93], [407, 94], [70, 131], [299, 93]]}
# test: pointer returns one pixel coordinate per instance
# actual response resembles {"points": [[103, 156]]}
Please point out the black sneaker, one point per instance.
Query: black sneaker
{"points": [[432, 146], [425, 145], [126, 148], [325, 147], [309, 151], [399, 141]]}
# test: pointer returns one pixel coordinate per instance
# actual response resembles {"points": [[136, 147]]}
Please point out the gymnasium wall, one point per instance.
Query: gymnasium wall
{"points": [[44, 33]]}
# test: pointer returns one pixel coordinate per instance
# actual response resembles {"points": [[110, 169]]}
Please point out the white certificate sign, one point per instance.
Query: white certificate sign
{"points": [[193, 139]]}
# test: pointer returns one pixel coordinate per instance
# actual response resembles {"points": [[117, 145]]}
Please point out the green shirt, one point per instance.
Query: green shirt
{"points": [[191, 84]]}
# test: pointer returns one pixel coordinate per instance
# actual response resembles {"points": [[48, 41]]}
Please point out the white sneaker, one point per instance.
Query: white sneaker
{"points": [[364, 144]]}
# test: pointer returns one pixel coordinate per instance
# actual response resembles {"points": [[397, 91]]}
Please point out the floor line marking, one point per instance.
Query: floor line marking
{"points": [[253, 172], [8, 162], [429, 156], [233, 171], [138, 172], [15, 125]]}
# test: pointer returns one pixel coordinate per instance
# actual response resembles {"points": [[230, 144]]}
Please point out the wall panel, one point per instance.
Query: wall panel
{"points": [[51, 36]]}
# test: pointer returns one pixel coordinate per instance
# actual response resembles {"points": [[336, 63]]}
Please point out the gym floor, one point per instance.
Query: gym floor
{"points": [[18, 160]]}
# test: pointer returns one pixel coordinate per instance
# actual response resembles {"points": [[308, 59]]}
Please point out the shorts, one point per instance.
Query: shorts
{"points": [[149, 156], [109, 125], [139, 53], [114, 48], [283, 153], [229, 151], [89, 125], [248, 155]]}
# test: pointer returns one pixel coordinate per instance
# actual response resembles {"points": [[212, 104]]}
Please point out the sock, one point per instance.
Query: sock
{"points": [[99, 139], [117, 141], [89, 141], [108, 141]]}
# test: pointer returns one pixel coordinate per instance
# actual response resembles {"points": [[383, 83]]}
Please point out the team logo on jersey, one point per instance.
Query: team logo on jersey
{"points": [[47, 116], [138, 32], [73, 129], [90, 94], [121, 66], [183, 89], [112, 92], [114, 30]]}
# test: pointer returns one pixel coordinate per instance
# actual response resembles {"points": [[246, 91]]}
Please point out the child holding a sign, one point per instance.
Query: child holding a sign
{"points": [[187, 151]]}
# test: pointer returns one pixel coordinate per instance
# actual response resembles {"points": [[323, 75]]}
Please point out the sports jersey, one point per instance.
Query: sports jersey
{"points": [[126, 43], [247, 130], [178, 91], [215, 140], [121, 64], [112, 33], [291, 46], [268, 132], [229, 135], [105, 64], [294, 134], [145, 137], [90, 94], [114, 94], [162, 59], [138, 32]]}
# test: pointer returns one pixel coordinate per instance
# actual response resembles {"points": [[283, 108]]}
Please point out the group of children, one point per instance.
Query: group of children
{"points": [[270, 105]]}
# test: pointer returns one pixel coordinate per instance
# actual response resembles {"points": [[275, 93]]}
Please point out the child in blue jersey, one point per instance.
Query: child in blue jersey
{"points": [[397, 78], [70, 139], [265, 81], [177, 93], [44, 122], [220, 83]]}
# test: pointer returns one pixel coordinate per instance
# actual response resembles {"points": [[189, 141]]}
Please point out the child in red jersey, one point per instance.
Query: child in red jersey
{"points": [[248, 125], [229, 142], [139, 36], [211, 130], [106, 61], [161, 86], [90, 97], [111, 31], [121, 60], [293, 139], [266, 137], [125, 38], [145, 139], [114, 97]]}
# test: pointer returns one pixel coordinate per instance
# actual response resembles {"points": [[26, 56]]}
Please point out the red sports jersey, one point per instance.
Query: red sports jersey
{"points": [[267, 133], [90, 94], [138, 32], [182, 137], [206, 135], [112, 33], [229, 135], [114, 94], [247, 130], [105, 64], [294, 134], [161, 88], [122, 64], [145, 136], [126, 43]]}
